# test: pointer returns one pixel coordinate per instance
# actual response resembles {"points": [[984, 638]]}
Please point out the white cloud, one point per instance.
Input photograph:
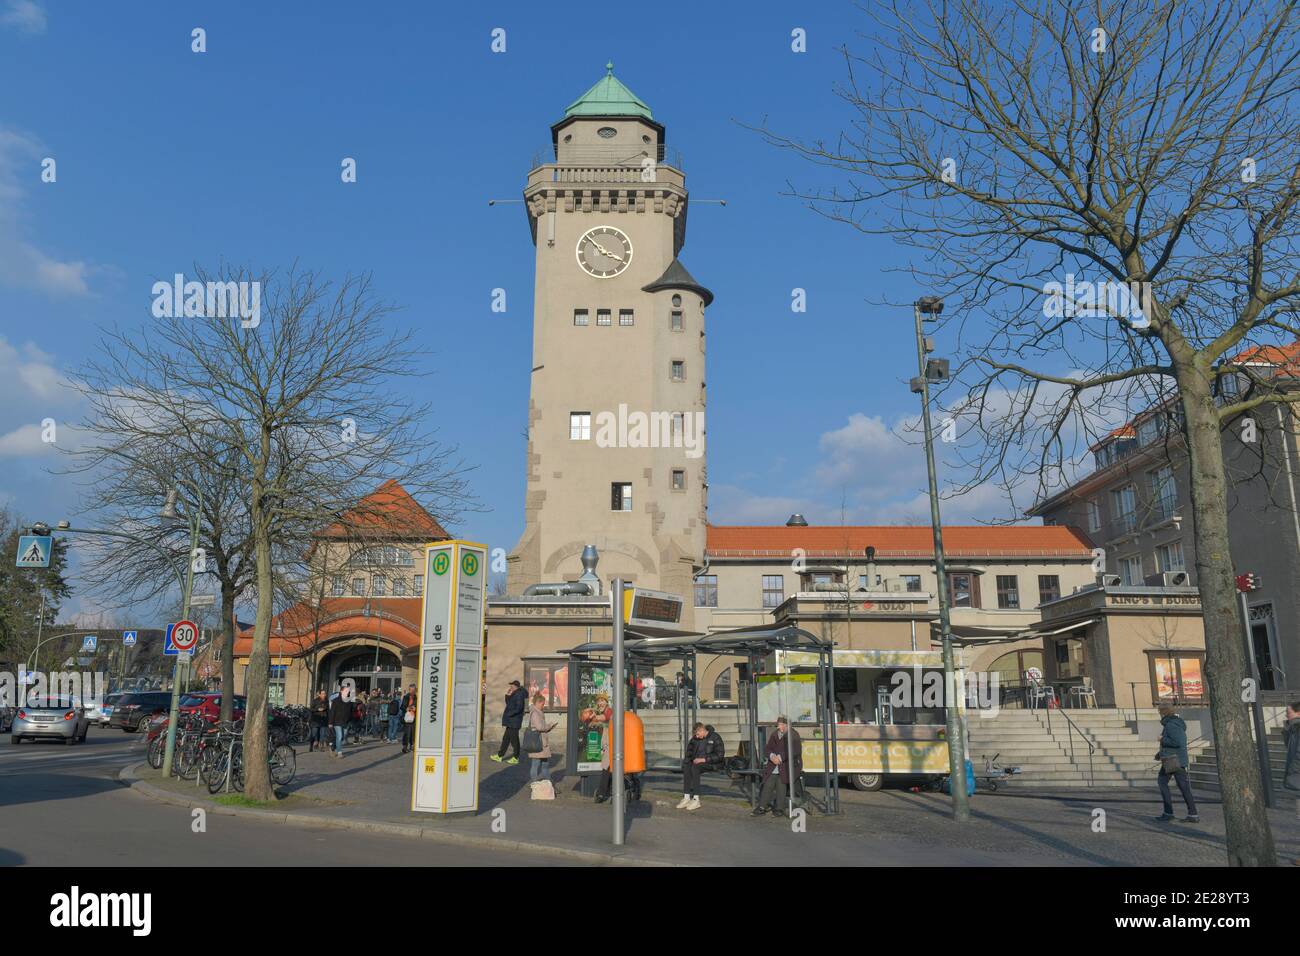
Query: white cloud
{"points": [[21, 262], [31, 390], [25, 15]]}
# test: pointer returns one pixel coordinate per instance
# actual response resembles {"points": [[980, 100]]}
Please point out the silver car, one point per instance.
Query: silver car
{"points": [[50, 718]]}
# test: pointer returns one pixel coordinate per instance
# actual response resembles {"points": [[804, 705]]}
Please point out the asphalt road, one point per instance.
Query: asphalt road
{"points": [[63, 806]]}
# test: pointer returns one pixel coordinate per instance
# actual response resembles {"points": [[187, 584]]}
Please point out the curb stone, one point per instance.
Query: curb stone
{"points": [[128, 776]]}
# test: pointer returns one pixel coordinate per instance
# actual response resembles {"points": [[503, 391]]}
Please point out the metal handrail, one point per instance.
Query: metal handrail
{"points": [[1072, 729]]}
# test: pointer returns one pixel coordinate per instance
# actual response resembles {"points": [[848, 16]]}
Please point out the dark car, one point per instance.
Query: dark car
{"points": [[134, 709]]}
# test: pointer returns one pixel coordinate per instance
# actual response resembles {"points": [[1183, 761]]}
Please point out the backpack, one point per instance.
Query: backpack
{"points": [[542, 790]]}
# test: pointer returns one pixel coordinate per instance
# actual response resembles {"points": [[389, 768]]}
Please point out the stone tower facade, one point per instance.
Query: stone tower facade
{"points": [[616, 415]]}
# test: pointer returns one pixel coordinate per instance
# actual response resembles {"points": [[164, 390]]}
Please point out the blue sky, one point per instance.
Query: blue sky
{"points": [[167, 157]]}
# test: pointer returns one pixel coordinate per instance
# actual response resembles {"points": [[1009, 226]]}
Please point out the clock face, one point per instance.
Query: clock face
{"points": [[604, 252]]}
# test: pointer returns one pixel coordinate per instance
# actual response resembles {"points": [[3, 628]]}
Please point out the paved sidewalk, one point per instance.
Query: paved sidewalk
{"points": [[370, 785]]}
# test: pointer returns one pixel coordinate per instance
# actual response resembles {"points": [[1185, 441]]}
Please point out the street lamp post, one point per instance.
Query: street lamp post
{"points": [[937, 370], [169, 511]]}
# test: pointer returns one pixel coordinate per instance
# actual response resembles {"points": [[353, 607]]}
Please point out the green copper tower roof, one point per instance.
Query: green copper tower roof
{"points": [[608, 97]]}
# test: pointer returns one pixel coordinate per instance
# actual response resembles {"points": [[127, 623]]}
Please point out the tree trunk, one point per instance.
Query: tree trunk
{"points": [[1250, 841], [227, 653], [257, 776]]}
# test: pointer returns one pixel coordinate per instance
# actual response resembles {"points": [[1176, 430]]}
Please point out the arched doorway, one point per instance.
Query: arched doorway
{"points": [[371, 668]]}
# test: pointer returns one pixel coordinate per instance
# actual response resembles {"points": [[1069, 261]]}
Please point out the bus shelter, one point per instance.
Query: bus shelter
{"points": [[590, 676]]}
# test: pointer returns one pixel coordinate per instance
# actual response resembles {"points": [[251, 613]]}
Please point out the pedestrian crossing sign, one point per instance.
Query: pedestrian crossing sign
{"points": [[34, 551]]}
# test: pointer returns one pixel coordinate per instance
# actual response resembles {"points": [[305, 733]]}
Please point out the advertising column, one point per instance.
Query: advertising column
{"points": [[451, 659]]}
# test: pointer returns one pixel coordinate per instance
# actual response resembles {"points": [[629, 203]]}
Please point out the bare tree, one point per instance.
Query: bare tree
{"points": [[297, 408], [1153, 151]]}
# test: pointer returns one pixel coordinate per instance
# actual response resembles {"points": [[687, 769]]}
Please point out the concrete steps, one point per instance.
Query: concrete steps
{"points": [[1120, 757], [1204, 768]]}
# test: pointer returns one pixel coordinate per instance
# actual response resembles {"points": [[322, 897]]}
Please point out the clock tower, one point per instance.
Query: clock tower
{"points": [[616, 414]]}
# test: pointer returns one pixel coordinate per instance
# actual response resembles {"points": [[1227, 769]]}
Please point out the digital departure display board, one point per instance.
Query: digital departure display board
{"points": [[642, 608]]}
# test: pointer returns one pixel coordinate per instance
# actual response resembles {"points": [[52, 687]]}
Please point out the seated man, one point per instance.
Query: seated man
{"points": [[776, 769], [704, 752]]}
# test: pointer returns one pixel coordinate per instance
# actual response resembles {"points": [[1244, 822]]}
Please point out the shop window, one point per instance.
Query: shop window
{"points": [[1177, 677], [550, 679], [1049, 587], [706, 590], [1011, 667], [1008, 592]]}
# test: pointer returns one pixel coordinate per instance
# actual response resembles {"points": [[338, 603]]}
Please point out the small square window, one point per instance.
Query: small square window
{"points": [[580, 317], [679, 479], [620, 498], [625, 317], [678, 372], [603, 317], [579, 426]]}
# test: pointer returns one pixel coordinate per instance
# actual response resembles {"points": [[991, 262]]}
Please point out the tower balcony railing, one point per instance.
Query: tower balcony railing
{"points": [[605, 164]]}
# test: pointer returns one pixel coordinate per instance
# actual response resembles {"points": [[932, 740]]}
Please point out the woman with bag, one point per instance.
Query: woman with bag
{"points": [[537, 741], [408, 722], [1173, 763]]}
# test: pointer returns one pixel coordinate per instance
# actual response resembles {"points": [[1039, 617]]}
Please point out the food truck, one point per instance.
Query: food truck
{"points": [[890, 716]]}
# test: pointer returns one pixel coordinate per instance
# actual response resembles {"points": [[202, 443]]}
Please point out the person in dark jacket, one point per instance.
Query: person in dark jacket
{"points": [[1173, 751], [395, 715], [408, 704], [1291, 772], [512, 718], [704, 752], [340, 714], [776, 767], [320, 718]]}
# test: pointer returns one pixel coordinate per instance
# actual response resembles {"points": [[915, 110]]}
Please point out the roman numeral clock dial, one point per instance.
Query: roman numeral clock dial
{"points": [[604, 252]]}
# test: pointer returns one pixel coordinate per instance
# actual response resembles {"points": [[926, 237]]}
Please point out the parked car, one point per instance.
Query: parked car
{"points": [[106, 709], [134, 709], [209, 705], [50, 718]]}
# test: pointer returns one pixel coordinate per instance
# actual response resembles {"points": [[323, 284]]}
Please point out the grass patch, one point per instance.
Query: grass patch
{"points": [[239, 800]]}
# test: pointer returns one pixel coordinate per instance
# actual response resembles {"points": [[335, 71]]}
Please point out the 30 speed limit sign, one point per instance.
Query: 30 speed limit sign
{"points": [[185, 635]]}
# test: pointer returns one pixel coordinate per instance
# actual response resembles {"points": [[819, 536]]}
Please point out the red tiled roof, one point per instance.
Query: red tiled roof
{"points": [[897, 540], [296, 630], [1280, 355], [388, 510]]}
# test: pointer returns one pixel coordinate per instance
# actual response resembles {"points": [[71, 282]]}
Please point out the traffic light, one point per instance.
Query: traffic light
{"points": [[1248, 581]]}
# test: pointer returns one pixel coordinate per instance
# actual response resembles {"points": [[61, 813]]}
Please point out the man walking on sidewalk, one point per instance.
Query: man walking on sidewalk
{"points": [[512, 718]]}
